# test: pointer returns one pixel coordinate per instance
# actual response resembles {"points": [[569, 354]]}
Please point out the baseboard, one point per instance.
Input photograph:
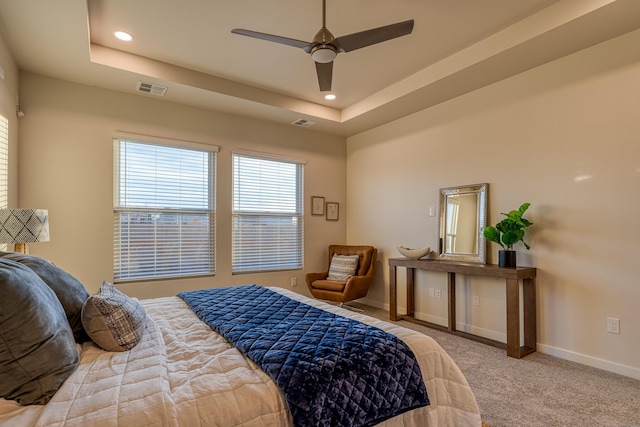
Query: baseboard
{"points": [[463, 327], [594, 362], [583, 359], [481, 332], [486, 333], [372, 303]]}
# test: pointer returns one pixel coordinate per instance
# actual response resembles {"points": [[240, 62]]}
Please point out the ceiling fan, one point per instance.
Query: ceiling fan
{"points": [[325, 47]]}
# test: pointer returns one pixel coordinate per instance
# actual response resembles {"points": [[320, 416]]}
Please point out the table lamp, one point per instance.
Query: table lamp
{"points": [[22, 226]]}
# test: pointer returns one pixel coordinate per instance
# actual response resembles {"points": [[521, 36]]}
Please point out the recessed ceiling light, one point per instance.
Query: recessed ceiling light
{"points": [[123, 36], [330, 97]]}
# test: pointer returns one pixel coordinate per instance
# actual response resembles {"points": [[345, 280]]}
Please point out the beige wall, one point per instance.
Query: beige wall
{"points": [[565, 137], [65, 162]]}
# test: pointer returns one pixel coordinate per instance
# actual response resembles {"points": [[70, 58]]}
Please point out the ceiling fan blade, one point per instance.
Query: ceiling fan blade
{"points": [[325, 74], [271, 38], [376, 35]]}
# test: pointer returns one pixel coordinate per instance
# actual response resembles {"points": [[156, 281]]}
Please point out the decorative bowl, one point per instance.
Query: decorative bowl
{"points": [[413, 253]]}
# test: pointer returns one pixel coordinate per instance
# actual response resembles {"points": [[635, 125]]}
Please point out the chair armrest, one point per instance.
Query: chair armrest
{"points": [[312, 277], [357, 287], [358, 280]]}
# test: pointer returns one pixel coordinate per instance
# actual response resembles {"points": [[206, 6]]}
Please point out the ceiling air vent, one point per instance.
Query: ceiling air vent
{"points": [[303, 123], [151, 88]]}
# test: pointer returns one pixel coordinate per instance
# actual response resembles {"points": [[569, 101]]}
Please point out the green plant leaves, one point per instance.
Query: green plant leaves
{"points": [[509, 238], [510, 230], [493, 235]]}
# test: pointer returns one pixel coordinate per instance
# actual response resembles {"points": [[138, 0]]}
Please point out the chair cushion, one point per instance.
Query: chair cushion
{"points": [[69, 290], [329, 285], [37, 349], [113, 320], [342, 267]]}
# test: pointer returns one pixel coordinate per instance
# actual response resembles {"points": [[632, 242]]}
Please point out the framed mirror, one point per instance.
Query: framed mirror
{"points": [[463, 213]]}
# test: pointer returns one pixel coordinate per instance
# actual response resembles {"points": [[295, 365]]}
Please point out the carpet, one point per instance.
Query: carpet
{"points": [[538, 390]]}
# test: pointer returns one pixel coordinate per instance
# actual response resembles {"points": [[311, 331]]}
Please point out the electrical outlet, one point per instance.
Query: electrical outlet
{"points": [[613, 325], [438, 294], [476, 300], [294, 282]]}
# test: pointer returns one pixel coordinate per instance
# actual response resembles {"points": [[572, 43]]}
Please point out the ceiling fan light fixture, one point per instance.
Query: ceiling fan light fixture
{"points": [[324, 53]]}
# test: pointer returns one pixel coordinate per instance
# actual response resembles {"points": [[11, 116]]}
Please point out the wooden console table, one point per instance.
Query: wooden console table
{"points": [[512, 276]]}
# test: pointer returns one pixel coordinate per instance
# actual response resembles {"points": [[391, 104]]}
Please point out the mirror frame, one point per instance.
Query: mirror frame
{"points": [[480, 256]]}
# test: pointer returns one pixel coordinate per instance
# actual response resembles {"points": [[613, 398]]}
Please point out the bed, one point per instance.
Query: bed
{"points": [[181, 373]]}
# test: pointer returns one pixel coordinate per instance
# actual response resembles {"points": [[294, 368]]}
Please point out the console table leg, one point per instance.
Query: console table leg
{"points": [[529, 304], [513, 318], [393, 294], [411, 296], [452, 300]]}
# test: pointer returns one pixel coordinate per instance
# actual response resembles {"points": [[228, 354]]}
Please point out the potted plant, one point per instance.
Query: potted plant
{"points": [[507, 233]]}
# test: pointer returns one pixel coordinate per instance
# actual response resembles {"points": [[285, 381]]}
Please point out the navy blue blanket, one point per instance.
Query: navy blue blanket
{"points": [[332, 371]]}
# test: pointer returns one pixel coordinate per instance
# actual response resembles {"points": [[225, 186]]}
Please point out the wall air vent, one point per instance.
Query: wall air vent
{"points": [[303, 123], [151, 88]]}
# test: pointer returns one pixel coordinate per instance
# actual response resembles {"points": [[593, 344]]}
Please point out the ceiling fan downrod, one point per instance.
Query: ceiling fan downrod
{"points": [[323, 52]]}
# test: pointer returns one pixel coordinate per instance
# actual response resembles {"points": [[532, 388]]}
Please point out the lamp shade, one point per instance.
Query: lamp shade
{"points": [[24, 225]]}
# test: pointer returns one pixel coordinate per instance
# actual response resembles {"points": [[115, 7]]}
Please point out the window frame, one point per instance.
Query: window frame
{"points": [[119, 274], [4, 162], [261, 266]]}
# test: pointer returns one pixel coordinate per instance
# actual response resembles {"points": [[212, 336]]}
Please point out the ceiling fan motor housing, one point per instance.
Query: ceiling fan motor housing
{"points": [[322, 51]]}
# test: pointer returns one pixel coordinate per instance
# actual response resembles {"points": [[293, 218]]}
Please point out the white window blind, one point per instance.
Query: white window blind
{"points": [[267, 223], [164, 210], [4, 162]]}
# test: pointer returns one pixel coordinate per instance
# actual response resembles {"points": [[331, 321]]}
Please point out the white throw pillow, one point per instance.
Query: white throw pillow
{"points": [[342, 267]]}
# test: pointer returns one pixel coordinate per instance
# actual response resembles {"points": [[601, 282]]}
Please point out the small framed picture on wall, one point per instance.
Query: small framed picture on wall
{"points": [[317, 205], [332, 211]]}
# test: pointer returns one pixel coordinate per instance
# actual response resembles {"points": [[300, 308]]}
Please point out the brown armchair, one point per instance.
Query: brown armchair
{"points": [[356, 286]]}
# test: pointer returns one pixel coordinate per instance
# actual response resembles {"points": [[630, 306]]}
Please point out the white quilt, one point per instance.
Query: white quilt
{"points": [[183, 374]]}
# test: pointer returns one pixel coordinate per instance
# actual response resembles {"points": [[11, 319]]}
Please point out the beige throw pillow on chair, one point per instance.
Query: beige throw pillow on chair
{"points": [[342, 267]]}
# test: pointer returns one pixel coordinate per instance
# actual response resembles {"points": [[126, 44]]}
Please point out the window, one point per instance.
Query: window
{"points": [[4, 161], [4, 166], [164, 208], [267, 225]]}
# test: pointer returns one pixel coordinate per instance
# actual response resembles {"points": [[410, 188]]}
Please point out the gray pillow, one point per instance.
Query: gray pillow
{"points": [[342, 267], [113, 320], [71, 293], [37, 349]]}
